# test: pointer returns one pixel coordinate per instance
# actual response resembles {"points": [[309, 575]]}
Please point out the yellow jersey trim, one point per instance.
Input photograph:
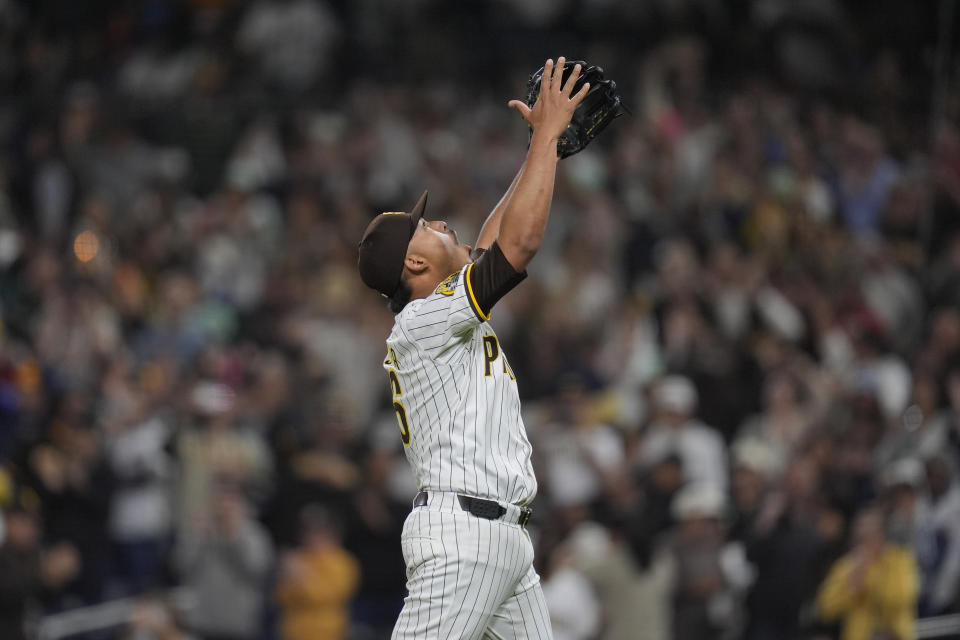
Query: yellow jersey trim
{"points": [[473, 299]]}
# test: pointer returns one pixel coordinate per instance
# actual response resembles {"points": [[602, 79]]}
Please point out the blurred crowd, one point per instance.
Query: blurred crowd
{"points": [[738, 350]]}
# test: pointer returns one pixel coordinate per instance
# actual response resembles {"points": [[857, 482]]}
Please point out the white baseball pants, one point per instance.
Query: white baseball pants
{"points": [[468, 577]]}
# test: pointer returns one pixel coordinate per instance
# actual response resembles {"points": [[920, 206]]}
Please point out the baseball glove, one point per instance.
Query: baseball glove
{"points": [[598, 109]]}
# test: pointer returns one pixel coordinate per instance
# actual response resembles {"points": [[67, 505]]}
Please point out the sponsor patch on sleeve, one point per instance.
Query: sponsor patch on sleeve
{"points": [[449, 285]]}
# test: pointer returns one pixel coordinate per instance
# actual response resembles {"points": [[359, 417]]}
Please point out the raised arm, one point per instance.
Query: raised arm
{"points": [[525, 212]]}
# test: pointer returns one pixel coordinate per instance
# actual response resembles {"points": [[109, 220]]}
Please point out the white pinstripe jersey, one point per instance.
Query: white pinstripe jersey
{"points": [[456, 398]]}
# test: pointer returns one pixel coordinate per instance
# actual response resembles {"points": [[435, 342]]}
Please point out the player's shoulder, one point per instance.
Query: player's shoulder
{"points": [[449, 305], [451, 285], [448, 286]]}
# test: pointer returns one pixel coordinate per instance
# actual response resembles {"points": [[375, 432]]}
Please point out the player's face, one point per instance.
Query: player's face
{"points": [[439, 244]]}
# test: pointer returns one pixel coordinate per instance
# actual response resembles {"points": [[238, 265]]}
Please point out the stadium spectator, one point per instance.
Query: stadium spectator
{"points": [[217, 448], [940, 560], [578, 452], [28, 572], [709, 573], [634, 592], [571, 601], [225, 561], [674, 428], [141, 503], [781, 537], [786, 419], [317, 581], [650, 515], [873, 589], [289, 42], [375, 523]]}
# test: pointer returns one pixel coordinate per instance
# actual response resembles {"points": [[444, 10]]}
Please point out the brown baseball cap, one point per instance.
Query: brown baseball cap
{"points": [[384, 246]]}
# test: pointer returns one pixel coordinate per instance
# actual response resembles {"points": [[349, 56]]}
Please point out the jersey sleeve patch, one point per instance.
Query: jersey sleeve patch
{"points": [[449, 285]]}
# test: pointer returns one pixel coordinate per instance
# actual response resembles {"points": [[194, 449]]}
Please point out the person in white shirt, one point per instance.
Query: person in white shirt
{"points": [[675, 429]]}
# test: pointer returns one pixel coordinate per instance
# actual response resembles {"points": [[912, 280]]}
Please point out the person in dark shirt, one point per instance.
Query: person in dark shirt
{"points": [[26, 571]]}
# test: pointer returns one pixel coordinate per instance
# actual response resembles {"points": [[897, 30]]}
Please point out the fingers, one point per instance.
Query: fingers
{"points": [[521, 107], [580, 95], [571, 81], [557, 77]]}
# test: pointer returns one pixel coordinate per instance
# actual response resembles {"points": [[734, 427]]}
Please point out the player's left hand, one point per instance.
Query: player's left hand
{"points": [[555, 106], [595, 101]]}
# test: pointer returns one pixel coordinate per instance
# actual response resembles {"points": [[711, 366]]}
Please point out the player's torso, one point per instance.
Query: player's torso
{"points": [[459, 417]]}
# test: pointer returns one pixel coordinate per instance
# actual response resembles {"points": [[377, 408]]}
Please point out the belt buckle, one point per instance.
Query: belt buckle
{"points": [[420, 500], [525, 513]]}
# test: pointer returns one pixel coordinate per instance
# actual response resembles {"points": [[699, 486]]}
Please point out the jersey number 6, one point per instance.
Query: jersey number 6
{"points": [[399, 408]]}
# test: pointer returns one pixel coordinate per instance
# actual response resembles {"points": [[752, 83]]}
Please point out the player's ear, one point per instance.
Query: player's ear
{"points": [[415, 263]]}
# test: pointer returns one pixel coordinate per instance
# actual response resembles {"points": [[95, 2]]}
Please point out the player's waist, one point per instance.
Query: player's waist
{"points": [[480, 507]]}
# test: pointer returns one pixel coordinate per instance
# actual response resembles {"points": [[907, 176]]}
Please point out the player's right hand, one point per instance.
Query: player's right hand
{"points": [[551, 113]]}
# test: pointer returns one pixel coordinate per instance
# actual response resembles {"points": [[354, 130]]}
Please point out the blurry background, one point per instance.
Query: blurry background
{"points": [[738, 350]]}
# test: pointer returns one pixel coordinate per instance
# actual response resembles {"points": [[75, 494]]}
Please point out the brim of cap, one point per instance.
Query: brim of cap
{"points": [[417, 212]]}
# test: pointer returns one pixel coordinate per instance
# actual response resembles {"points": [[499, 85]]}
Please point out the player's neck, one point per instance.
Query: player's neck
{"points": [[423, 285]]}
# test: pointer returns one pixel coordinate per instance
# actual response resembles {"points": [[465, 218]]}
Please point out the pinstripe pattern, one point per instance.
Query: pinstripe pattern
{"points": [[467, 435], [467, 577]]}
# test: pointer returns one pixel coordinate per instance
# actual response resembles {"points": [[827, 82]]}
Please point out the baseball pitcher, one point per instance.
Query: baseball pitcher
{"points": [[468, 556]]}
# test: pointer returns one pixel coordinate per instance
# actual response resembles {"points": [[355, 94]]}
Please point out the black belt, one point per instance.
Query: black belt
{"points": [[488, 509]]}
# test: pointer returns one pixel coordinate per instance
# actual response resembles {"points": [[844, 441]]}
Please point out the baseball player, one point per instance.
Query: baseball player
{"points": [[468, 556]]}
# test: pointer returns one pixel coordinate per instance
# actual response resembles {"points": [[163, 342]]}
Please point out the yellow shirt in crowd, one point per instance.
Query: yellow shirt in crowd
{"points": [[885, 601], [315, 606]]}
